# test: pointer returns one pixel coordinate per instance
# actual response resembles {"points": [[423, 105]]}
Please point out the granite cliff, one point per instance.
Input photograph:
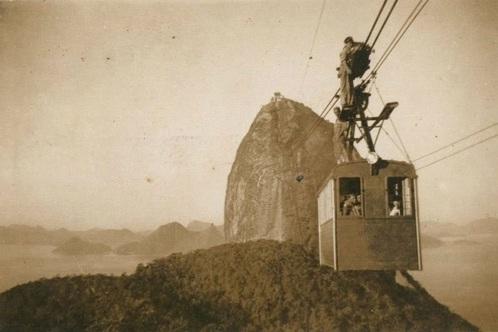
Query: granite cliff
{"points": [[272, 186]]}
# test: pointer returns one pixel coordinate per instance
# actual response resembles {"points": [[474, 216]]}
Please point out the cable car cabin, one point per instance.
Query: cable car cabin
{"points": [[369, 222]]}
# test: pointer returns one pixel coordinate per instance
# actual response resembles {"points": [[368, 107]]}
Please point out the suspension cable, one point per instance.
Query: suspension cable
{"points": [[320, 118], [455, 142], [310, 53], [400, 31], [375, 22], [459, 151], [384, 24], [396, 41], [390, 137], [407, 155]]}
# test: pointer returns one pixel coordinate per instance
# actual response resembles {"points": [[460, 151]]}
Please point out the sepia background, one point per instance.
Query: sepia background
{"points": [[129, 114]]}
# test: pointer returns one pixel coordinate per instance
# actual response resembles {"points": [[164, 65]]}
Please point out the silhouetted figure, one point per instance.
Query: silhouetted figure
{"points": [[355, 61], [345, 73]]}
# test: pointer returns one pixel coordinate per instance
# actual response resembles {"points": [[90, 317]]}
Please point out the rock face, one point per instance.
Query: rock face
{"points": [[272, 187]]}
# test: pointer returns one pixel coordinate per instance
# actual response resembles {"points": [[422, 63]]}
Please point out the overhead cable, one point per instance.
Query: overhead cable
{"points": [[405, 151], [320, 118], [457, 152], [455, 142], [384, 24], [390, 137], [399, 36], [310, 53], [400, 31], [375, 22]]}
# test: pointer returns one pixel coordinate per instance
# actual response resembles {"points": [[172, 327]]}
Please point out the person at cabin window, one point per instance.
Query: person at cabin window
{"points": [[395, 211], [347, 205], [357, 206], [351, 206], [341, 205]]}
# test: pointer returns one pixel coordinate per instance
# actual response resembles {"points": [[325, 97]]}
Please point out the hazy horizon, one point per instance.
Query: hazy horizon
{"points": [[128, 115]]}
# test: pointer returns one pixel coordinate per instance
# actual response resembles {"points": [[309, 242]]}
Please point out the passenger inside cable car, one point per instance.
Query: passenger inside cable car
{"points": [[395, 211], [350, 191], [399, 191]]}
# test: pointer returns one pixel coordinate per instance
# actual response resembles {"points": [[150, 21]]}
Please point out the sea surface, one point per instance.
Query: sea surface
{"points": [[462, 275], [23, 263]]}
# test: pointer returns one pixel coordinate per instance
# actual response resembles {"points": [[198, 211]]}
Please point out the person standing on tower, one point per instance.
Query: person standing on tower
{"points": [[354, 62], [345, 73]]}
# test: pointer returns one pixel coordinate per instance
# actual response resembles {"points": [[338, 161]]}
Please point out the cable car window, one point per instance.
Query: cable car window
{"points": [[399, 196], [350, 197]]}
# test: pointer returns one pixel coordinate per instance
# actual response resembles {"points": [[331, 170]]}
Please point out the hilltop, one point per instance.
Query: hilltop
{"points": [[262, 285], [77, 247], [173, 237]]}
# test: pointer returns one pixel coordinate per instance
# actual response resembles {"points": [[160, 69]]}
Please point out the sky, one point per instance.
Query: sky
{"points": [[129, 114]]}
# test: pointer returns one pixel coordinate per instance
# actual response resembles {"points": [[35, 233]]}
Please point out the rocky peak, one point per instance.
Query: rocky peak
{"points": [[271, 191]]}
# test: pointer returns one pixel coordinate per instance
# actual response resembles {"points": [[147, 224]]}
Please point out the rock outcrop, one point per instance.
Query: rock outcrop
{"points": [[272, 187]]}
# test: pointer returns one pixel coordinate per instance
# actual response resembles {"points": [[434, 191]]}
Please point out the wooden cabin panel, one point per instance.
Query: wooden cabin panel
{"points": [[394, 168], [374, 196], [327, 246], [377, 244], [352, 247], [398, 169]]}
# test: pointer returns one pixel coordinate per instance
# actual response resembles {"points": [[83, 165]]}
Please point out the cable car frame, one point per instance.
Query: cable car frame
{"points": [[369, 238]]}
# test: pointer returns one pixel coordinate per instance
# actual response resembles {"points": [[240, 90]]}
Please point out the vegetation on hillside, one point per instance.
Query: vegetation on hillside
{"points": [[253, 286]]}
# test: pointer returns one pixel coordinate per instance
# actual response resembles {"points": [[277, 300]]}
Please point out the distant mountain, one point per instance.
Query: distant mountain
{"points": [[37, 235], [76, 247], [111, 237], [22, 234], [429, 242], [197, 225], [253, 286], [482, 226], [209, 237], [464, 242], [172, 237], [438, 229], [476, 227]]}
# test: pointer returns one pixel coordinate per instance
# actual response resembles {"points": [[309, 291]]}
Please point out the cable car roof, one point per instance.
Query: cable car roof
{"points": [[362, 168]]}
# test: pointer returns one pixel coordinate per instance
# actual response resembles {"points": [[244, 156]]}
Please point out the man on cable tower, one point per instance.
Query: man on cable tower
{"points": [[355, 61]]}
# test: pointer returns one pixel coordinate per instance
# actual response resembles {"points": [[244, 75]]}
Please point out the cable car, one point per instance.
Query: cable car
{"points": [[369, 222], [368, 208]]}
